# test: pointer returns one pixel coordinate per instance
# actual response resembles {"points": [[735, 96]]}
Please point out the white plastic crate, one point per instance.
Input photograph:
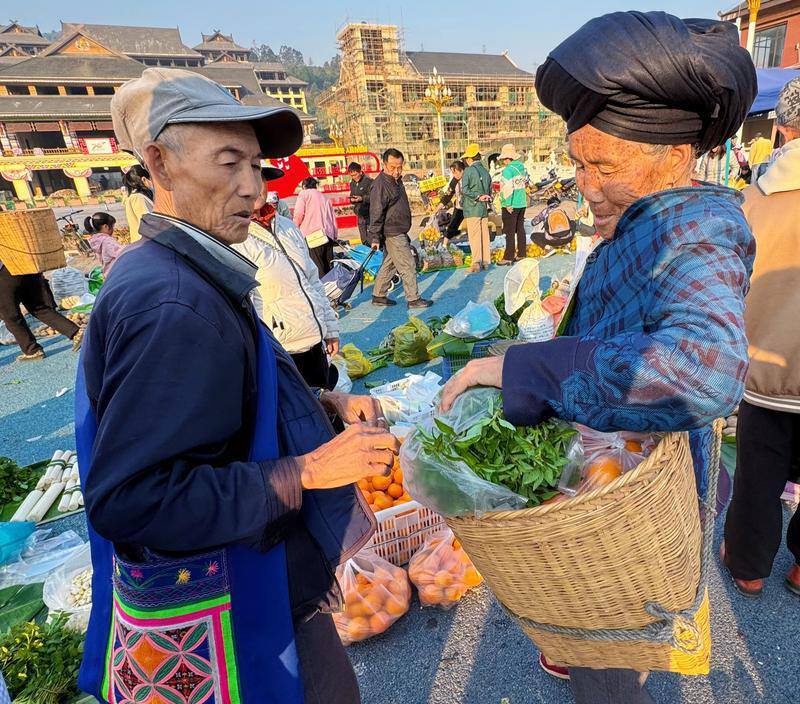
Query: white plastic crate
{"points": [[401, 531]]}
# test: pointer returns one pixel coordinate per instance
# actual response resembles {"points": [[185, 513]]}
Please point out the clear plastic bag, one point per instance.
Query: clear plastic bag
{"points": [[521, 285], [478, 320], [344, 383], [376, 594], [536, 324], [13, 537], [63, 589], [605, 457], [42, 554], [441, 571], [409, 399], [450, 487], [66, 282]]}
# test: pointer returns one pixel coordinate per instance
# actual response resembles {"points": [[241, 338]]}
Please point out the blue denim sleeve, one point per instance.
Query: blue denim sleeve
{"points": [[685, 368]]}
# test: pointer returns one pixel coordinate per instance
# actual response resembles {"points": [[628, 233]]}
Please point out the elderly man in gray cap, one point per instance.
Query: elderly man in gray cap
{"points": [[218, 497]]}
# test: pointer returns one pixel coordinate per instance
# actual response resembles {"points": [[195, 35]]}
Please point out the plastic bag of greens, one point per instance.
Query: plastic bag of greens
{"points": [[446, 484], [477, 320], [411, 343], [95, 280], [357, 364]]}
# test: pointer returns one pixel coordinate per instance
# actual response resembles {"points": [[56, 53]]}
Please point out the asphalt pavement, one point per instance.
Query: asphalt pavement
{"points": [[472, 654]]}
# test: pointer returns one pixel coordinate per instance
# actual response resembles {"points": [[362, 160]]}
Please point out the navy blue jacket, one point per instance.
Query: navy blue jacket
{"points": [[170, 365]]}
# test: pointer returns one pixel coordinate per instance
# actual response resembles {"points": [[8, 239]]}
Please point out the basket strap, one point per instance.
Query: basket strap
{"points": [[678, 628], [27, 251]]}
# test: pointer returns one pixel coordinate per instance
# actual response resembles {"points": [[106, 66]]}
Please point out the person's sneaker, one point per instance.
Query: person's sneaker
{"points": [[77, 341], [420, 303], [31, 357], [383, 301], [553, 669], [792, 582], [505, 262], [751, 588]]}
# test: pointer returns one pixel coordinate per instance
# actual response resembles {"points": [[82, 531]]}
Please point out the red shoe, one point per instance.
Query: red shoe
{"points": [[792, 582], [751, 588], [559, 671]]}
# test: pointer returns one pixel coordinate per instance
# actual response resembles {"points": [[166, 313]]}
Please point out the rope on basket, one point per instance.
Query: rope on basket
{"points": [[678, 628]]}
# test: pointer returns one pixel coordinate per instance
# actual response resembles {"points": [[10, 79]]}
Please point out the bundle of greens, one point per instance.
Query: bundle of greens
{"points": [[40, 663], [15, 481], [527, 461]]}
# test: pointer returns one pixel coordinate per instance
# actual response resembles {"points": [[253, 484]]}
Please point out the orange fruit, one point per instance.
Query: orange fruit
{"points": [[358, 628], [381, 483], [363, 484], [395, 606], [431, 594], [453, 593], [367, 496], [456, 544], [357, 609], [633, 446], [361, 578], [395, 491], [374, 601], [472, 578], [379, 623], [443, 579], [398, 476], [603, 470], [423, 578], [381, 500]]}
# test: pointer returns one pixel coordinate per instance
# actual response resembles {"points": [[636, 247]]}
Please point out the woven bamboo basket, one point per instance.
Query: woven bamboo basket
{"points": [[610, 578], [30, 241]]}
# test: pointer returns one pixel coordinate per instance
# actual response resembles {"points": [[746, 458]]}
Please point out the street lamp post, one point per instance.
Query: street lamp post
{"points": [[438, 95]]}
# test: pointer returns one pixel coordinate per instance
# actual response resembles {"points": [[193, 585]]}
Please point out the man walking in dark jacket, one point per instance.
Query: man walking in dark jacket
{"points": [[218, 497], [389, 223], [360, 185]]}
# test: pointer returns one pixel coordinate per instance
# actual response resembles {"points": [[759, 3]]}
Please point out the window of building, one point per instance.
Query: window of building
{"points": [[382, 129], [150, 62], [48, 90], [413, 92], [376, 95], [372, 43], [459, 94], [768, 47], [517, 95], [454, 127], [18, 90], [485, 93], [451, 156], [103, 90], [418, 128], [519, 122], [77, 90]]}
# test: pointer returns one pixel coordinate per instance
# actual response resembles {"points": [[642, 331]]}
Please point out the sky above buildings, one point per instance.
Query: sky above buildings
{"points": [[527, 29]]}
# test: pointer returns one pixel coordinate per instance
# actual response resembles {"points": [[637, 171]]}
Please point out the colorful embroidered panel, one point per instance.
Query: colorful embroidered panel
{"points": [[171, 639]]}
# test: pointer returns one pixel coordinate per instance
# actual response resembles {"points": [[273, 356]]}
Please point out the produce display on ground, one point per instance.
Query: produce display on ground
{"points": [[41, 491]]}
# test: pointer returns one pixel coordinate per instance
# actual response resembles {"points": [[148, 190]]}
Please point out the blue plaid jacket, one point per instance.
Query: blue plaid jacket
{"points": [[656, 339]]}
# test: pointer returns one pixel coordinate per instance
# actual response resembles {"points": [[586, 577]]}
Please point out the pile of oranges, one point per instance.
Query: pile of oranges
{"points": [[442, 571], [376, 594], [385, 492]]}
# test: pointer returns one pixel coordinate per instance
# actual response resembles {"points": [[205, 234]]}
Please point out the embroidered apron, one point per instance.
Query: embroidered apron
{"points": [[214, 628]]}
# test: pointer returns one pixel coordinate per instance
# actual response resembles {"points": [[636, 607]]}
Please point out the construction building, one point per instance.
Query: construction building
{"points": [[379, 100], [55, 117]]}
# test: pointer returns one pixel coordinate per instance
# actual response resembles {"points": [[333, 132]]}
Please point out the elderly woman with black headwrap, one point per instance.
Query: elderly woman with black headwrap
{"points": [[653, 339]]}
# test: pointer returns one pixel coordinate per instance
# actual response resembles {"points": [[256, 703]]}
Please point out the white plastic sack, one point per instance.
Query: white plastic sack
{"points": [[410, 399], [478, 320], [68, 282], [521, 285], [344, 382], [536, 324], [59, 595]]}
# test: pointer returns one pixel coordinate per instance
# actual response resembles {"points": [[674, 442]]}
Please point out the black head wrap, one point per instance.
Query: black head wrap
{"points": [[651, 77]]}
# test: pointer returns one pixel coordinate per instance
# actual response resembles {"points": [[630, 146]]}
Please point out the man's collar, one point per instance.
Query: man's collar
{"points": [[218, 262]]}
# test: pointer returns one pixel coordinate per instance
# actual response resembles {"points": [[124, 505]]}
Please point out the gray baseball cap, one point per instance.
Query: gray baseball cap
{"points": [[143, 107]]}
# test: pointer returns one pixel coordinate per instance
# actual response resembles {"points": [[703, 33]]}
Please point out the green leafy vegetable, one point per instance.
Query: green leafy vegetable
{"points": [[40, 663], [529, 461], [15, 481], [18, 604]]}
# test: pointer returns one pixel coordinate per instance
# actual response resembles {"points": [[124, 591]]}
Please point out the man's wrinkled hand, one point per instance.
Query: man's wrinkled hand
{"points": [[479, 372], [360, 451], [354, 409], [332, 346]]}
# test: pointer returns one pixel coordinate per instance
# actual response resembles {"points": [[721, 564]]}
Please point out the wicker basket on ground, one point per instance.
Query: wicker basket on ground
{"points": [[611, 578], [30, 241]]}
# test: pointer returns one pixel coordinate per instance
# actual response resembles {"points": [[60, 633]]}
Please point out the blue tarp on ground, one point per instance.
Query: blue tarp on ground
{"points": [[770, 83]]}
